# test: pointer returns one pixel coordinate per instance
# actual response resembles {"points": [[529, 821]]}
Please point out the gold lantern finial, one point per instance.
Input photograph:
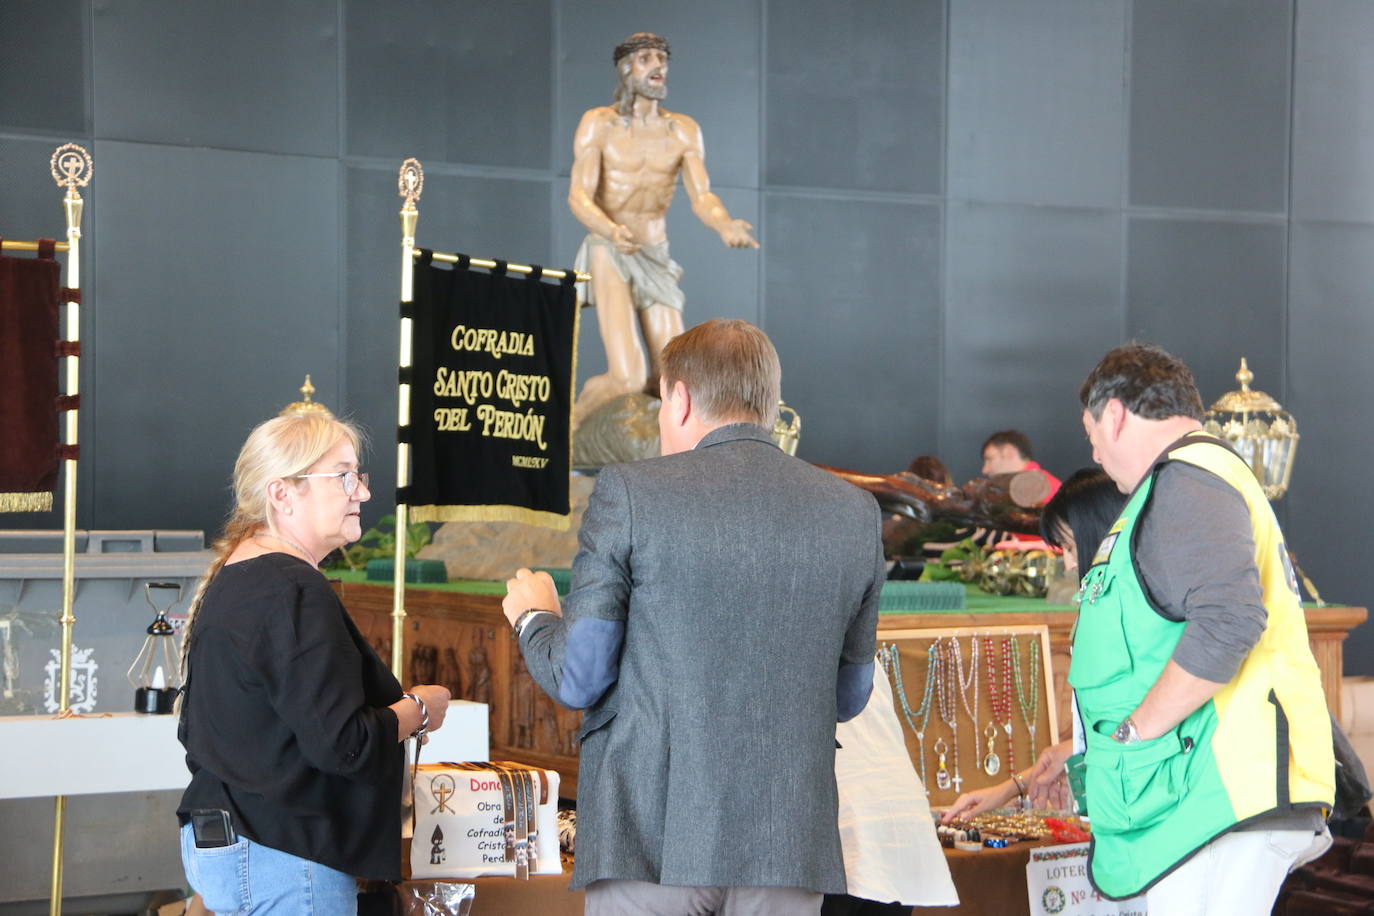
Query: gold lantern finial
{"points": [[1257, 427], [306, 406], [787, 433]]}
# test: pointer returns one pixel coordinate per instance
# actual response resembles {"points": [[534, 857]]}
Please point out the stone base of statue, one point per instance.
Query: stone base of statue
{"points": [[495, 550], [624, 429]]}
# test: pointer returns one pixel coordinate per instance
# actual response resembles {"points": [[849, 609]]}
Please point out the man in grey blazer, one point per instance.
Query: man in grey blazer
{"points": [[722, 618]]}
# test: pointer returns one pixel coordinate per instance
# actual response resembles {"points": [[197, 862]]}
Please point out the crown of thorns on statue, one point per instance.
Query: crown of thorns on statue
{"points": [[639, 41]]}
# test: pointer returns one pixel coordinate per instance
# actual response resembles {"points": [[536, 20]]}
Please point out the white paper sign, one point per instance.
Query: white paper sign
{"points": [[1058, 885]]}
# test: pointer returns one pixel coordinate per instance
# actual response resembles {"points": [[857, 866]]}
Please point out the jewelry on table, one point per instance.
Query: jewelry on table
{"points": [[1030, 707], [948, 705], [916, 721], [964, 683], [999, 696]]}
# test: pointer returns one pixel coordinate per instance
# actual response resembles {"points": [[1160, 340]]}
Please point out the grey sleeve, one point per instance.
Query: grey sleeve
{"points": [[576, 657], [1196, 556]]}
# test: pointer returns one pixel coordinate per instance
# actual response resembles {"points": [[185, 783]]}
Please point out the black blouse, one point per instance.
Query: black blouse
{"points": [[285, 720]]}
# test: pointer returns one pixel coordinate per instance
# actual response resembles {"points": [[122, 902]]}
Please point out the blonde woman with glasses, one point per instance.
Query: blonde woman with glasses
{"points": [[293, 726]]}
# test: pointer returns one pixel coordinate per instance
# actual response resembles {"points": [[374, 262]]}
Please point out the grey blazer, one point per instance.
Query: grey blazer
{"points": [[722, 618]]}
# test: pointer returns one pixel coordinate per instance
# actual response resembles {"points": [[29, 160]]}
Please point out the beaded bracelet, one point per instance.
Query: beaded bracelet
{"points": [[424, 717]]}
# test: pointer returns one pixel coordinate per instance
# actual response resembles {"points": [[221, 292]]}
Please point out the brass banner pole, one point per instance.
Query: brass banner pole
{"points": [[71, 168], [410, 183]]}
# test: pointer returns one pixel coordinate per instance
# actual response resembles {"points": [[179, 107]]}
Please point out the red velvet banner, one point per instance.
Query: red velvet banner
{"points": [[29, 302]]}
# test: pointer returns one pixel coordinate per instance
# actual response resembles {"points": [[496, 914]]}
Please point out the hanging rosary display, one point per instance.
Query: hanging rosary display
{"points": [[1029, 704], [916, 721], [948, 706], [964, 684], [957, 663], [999, 699]]}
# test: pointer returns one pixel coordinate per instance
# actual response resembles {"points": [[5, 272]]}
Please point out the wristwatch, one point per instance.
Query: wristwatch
{"points": [[520, 622], [1126, 732]]}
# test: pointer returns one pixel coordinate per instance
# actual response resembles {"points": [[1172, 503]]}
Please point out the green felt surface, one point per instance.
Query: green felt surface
{"points": [[977, 600]]}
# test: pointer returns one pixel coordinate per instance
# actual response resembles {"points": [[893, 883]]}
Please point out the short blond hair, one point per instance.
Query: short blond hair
{"points": [[730, 369]]}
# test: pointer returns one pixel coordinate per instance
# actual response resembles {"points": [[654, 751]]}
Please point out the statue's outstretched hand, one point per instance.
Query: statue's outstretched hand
{"points": [[736, 234]]}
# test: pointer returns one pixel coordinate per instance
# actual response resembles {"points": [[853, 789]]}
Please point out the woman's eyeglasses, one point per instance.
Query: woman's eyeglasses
{"points": [[348, 479]]}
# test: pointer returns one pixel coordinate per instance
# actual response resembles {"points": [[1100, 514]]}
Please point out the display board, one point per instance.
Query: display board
{"points": [[976, 703]]}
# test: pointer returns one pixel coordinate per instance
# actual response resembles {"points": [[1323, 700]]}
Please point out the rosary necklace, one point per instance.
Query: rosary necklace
{"points": [[949, 714], [1030, 707], [309, 557], [916, 721], [964, 684], [999, 699]]}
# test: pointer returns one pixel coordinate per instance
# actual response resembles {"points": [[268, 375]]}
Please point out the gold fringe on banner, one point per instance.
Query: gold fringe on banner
{"points": [[27, 502], [490, 514]]}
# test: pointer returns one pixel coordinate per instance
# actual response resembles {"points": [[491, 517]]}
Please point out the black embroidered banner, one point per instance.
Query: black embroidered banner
{"points": [[491, 397]]}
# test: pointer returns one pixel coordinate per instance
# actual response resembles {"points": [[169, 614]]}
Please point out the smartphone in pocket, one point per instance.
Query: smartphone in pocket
{"points": [[212, 828]]}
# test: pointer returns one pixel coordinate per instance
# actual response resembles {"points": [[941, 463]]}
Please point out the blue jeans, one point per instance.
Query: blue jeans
{"points": [[248, 877]]}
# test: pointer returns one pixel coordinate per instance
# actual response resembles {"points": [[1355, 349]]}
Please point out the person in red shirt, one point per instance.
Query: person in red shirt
{"points": [[1009, 451]]}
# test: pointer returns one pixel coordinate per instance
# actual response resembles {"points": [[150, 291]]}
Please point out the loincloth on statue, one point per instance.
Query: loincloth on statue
{"points": [[650, 273]]}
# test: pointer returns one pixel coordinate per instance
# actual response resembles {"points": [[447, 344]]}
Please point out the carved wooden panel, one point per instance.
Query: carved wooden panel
{"points": [[463, 641]]}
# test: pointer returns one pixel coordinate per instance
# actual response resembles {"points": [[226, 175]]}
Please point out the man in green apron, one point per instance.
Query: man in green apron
{"points": [[1209, 760]]}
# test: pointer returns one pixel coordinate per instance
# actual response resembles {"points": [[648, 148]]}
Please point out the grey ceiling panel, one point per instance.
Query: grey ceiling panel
{"points": [[1209, 104], [451, 82], [211, 305], [1033, 302], [1333, 120], [1037, 101], [852, 302], [713, 75], [248, 75], [43, 67], [1210, 293], [855, 94]]}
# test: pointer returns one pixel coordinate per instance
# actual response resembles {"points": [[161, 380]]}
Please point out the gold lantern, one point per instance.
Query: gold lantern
{"points": [[787, 433], [1261, 431], [305, 406]]}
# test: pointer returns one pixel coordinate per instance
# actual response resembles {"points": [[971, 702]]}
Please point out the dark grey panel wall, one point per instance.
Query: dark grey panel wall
{"points": [[1211, 293], [207, 327], [255, 74], [855, 94], [962, 203], [1333, 119], [1332, 334], [1033, 299], [419, 81], [43, 70], [852, 304], [1209, 103], [1037, 104]]}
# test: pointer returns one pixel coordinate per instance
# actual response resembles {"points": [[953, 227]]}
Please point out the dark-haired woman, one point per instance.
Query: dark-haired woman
{"points": [[1076, 520]]}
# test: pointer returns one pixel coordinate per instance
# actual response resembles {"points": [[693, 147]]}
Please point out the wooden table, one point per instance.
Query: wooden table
{"points": [[456, 635], [989, 881]]}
